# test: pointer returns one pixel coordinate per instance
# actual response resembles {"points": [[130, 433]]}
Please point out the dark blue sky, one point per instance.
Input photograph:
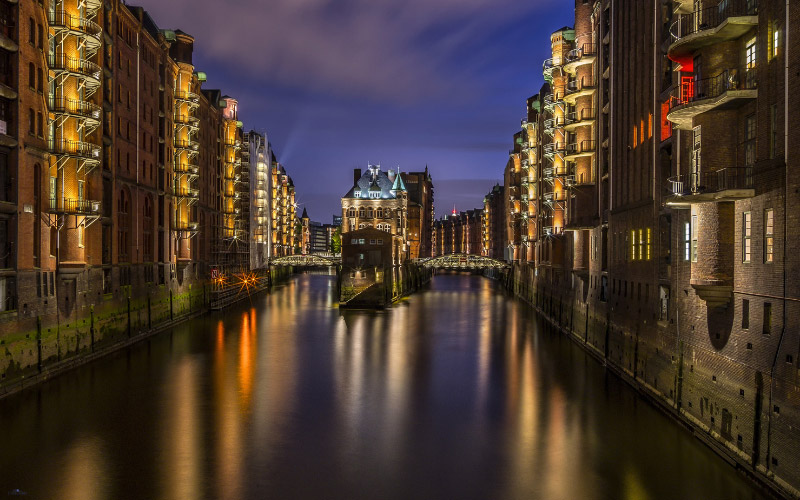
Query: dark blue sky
{"points": [[340, 83]]}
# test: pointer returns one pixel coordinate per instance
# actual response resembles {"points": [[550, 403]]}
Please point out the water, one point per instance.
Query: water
{"points": [[456, 393]]}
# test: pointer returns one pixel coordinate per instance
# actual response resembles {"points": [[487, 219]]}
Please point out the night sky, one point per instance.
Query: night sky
{"points": [[340, 83]]}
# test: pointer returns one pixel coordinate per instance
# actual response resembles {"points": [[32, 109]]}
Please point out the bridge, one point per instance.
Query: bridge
{"points": [[462, 261], [306, 261]]}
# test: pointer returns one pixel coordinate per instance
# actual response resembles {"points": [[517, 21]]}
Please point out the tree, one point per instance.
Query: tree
{"points": [[336, 241]]}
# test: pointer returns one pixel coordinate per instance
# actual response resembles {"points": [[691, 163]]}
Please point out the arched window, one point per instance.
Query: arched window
{"points": [[379, 213], [387, 214], [369, 213], [361, 212], [351, 212]]}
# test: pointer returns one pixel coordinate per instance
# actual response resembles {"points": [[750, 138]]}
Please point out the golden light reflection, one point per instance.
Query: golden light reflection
{"points": [[84, 474], [182, 476]]}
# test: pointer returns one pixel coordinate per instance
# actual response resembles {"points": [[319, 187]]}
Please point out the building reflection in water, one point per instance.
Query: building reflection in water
{"points": [[84, 473]]}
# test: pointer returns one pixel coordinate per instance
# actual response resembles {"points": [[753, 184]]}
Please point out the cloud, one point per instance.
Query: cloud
{"points": [[395, 49]]}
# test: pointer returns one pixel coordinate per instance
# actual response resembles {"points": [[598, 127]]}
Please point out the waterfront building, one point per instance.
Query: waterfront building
{"points": [[494, 225], [284, 239], [660, 165], [460, 233], [257, 154], [121, 178], [378, 199], [419, 186]]}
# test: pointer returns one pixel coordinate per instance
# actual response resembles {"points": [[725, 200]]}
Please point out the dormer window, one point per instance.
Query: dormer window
{"points": [[357, 194], [375, 194]]}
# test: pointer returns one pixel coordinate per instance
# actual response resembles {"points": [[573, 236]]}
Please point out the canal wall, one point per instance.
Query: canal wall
{"points": [[367, 289], [744, 406], [35, 349]]}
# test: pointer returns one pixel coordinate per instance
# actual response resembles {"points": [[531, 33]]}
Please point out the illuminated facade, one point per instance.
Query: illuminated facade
{"points": [[257, 153], [283, 235], [379, 200], [118, 172]]}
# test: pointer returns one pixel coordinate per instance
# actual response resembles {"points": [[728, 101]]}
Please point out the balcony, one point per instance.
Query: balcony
{"points": [[191, 227], [186, 145], [728, 20], [552, 100], [75, 149], [579, 88], [66, 206], [74, 108], [88, 31], [187, 169], [554, 148], [185, 192], [187, 120], [187, 97], [549, 66], [726, 184], [86, 70], [586, 54], [580, 149], [580, 118], [730, 89]]}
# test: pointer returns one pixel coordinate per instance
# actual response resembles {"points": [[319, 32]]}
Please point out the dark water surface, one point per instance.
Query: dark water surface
{"points": [[456, 393]]}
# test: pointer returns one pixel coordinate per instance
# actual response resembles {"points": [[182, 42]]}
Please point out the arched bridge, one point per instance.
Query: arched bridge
{"points": [[305, 261], [462, 261]]}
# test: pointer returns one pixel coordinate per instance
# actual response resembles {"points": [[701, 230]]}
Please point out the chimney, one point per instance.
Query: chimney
{"points": [[356, 175]]}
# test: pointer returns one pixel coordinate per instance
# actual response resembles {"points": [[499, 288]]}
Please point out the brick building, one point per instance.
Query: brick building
{"points": [[419, 186], [118, 172], [660, 159]]}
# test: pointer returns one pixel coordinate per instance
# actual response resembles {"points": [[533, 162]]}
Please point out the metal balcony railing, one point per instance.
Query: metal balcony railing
{"points": [[712, 17], [61, 19], [586, 50], [186, 144], [75, 107], [182, 192], [69, 206], [189, 97], [576, 148], [585, 114], [61, 62], [712, 182], [74, 148], [709, 88], [579, 85], [186, 226]]}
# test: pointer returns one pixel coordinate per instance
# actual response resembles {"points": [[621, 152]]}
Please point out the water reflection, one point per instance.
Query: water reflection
{"points": [[457, 392]]}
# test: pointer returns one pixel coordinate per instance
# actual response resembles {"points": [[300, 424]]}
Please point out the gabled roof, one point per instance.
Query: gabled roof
{"points": [[398, 183]]}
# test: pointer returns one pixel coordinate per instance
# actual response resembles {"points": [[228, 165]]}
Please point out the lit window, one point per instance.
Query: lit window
{"points": [[694, 238], [746, 236], [633, 245], [641, 244], [769, 235], [686, 241], [649, 246]]}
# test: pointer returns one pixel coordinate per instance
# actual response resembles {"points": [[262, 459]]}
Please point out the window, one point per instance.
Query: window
{"points": [[745, 314], [746, 236], [32, 31], [663, 295], [773, 130], [31, 76], [769, 235], [649, 243], [696, 142], [694, 238], [40, 32], [750, 140], [39, 125], [767, 325], [31, 121], [687, 238], [633, 244], [40, 81]]}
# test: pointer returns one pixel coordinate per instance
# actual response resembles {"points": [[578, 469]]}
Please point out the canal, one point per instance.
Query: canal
{"points": [[457, 392]]}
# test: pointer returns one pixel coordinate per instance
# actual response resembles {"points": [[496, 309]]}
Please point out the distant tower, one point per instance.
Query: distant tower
{"points": [[306, 237]]}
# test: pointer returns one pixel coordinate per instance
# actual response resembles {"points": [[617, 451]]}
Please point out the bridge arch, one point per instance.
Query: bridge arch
{"points": [[462, 261], [305, 261]]}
